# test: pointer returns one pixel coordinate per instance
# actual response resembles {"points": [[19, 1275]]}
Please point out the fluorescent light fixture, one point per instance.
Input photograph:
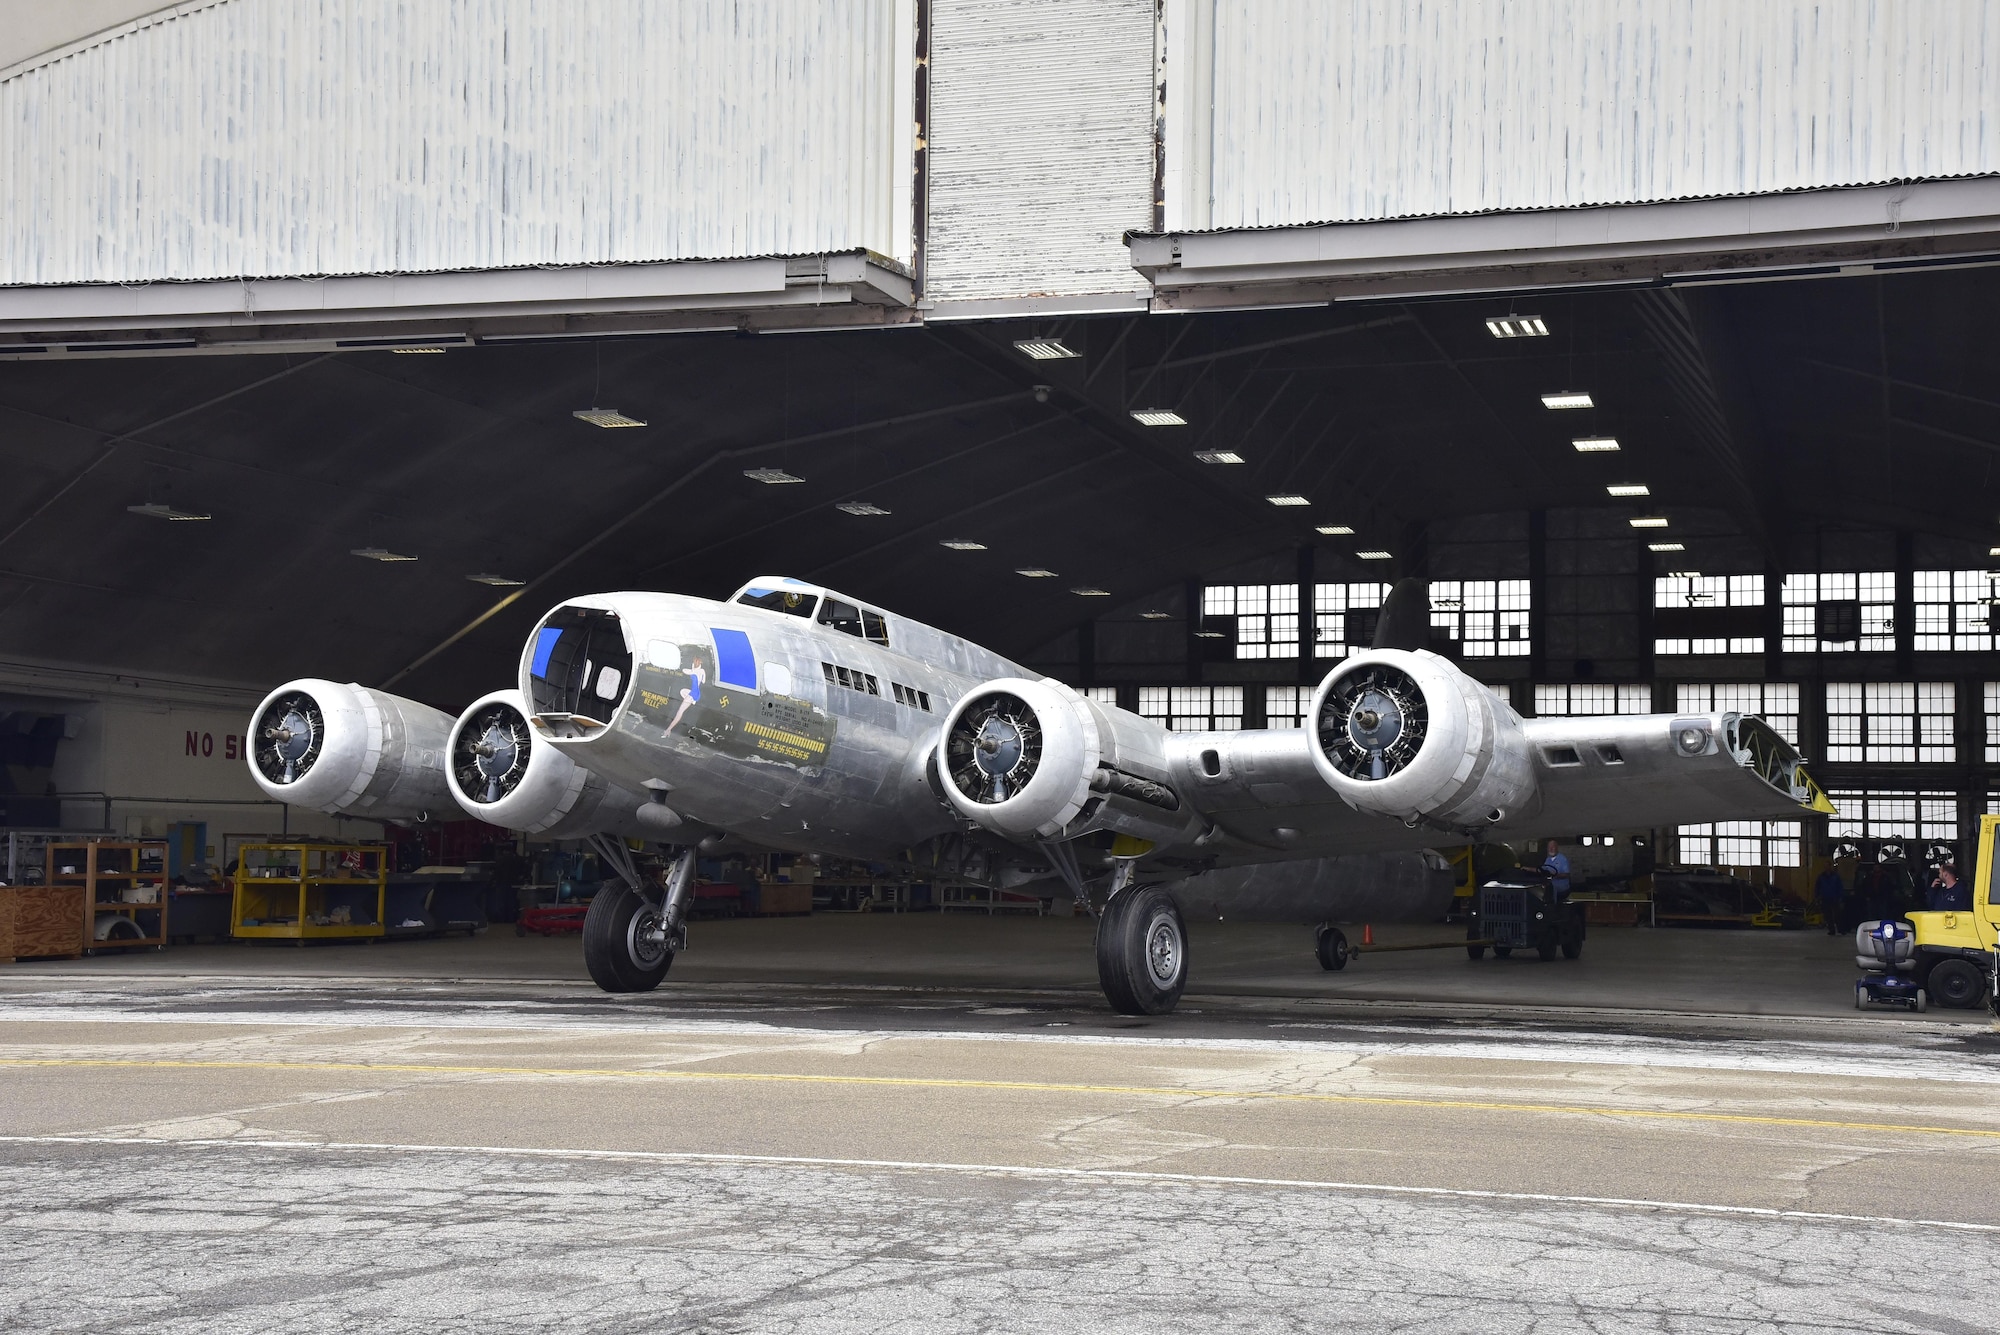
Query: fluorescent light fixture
{"points": [[1648, 521], [1288, 498], [1036, 572], [1627, 489], [605, 417], [379, 554], [1085, 591], [775, 477], [1044, 349], [1373, 556], [1158, 417], [1516, 326], [1567, 398], [1336, 530], [963, 545], [157, 510], [1596, 444], [407, 350], [1169, 616], [1218, 456], [497, 581], [1665, 547], [860, 508], [1993, 551], [1210, 635]]}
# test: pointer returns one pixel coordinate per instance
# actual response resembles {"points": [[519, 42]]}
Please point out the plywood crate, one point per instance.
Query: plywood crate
{"points": [[37, 921]]}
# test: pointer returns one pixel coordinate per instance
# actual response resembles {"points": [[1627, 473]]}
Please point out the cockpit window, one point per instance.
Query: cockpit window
{"points": [[843, 617], [780, 600], [876, 628]]}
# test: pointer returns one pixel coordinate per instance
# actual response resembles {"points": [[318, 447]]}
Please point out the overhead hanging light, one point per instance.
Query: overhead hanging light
{"points": [[379, 554], [1169, 616], [1218, 456], [409, 350], [772, 476], [1516, 326], [1567, 398], [963, 545], [1596, 444], [1036, 572], [1648, 521], [1373, 556], [159, 510], [1158, 417], [1336, 530], [1085, 591], [605, 417], [1677, 547], [1044, 349], [1288, 498], [860, 508], [496, 581], [1628, 489]]}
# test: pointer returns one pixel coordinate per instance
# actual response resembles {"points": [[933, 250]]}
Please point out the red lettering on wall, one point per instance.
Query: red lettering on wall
{"points": [[229, 747], [208, 743], [193, 743]]}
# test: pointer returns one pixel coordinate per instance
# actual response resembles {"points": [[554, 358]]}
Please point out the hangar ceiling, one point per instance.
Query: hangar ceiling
{"points": [[1767, 419]]}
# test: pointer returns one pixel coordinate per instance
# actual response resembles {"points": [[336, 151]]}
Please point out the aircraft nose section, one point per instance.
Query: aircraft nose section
{"points": [[578, 669]]}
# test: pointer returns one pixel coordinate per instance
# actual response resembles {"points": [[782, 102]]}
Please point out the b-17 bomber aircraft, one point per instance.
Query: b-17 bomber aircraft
{"points": [[791, 717]]}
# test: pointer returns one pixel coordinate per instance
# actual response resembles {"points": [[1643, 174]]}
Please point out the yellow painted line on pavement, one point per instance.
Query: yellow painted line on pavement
{"points": [[1020, 1086]]}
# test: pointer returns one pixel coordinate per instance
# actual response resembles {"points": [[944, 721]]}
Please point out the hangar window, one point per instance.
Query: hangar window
{"points": [[1890, 722], [1593, 698], [1488, 617], [1955, 610], [1740, 843], [1840, 613], [1263, 617], [1993, 722], [1776, 702], [1708, 614], [780, 600], [1104, 695], [1193, 708], [1344, 617], [1880, 813], [1286, 706], [843, 617]]}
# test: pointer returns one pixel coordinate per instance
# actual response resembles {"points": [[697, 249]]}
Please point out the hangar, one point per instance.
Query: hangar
{"points": [[1147, 345]]}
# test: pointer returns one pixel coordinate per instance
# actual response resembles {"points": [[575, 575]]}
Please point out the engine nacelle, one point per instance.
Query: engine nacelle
{"points": [[1403, 733], [1036, 760], [505, 775], [351, 750]]}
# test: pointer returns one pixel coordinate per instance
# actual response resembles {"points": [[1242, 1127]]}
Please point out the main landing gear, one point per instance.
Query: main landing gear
{"points": [[1142, 955], [629, 941]]}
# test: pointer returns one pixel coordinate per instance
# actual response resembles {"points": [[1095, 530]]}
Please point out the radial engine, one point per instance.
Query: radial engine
{"points": [[1402, 733], [349, 749], [501, 773], [1036, 760]]}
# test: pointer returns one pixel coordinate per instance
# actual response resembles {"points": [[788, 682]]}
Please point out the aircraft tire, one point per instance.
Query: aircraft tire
{"points": [[1142, 958], [618, 958], [1331, 947]]}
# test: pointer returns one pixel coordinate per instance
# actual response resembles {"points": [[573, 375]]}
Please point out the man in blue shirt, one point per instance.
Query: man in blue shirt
{"points": [[1557, 867], [1831, 892]]}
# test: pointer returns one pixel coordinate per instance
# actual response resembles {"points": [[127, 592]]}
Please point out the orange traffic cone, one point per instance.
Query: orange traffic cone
{"points": [[1367, 933]]}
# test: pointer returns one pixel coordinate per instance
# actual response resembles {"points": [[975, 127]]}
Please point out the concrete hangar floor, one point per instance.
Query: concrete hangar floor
{"points": [[933, 1124]]}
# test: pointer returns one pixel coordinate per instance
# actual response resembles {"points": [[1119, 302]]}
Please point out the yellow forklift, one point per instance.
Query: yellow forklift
{"points": [[1957, 953]]}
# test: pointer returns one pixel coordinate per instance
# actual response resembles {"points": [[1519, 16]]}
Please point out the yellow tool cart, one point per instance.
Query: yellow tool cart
{"points": [[310, 892]]}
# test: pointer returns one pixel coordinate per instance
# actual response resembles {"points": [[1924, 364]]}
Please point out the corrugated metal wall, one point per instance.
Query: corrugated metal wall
{"points": [[1335, 110], [303, 137], [1041, 146]]}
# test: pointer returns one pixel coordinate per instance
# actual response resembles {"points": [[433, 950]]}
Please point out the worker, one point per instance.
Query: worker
{"points": [[1556, 867], [1947, 893], [748, 888], [1831, 892]]}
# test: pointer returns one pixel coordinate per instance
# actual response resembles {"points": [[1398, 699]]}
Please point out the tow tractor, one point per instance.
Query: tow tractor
{"points": [[1957, 952]]}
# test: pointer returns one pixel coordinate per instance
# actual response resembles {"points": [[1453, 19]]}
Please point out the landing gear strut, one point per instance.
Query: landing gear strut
{"points": [[629, 941]]}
